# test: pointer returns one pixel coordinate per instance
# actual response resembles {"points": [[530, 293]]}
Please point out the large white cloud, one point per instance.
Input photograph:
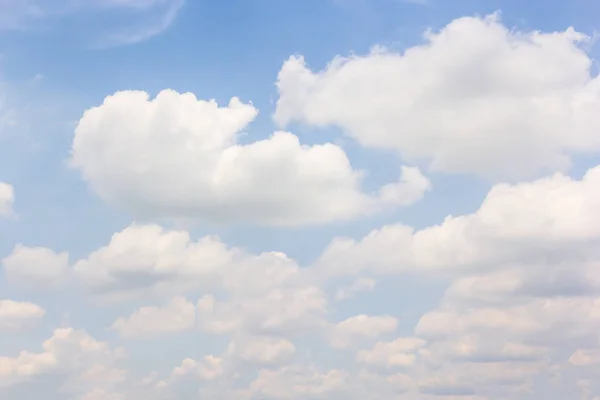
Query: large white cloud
{"points": [[178, 157], [477, 97], [7, 199]]}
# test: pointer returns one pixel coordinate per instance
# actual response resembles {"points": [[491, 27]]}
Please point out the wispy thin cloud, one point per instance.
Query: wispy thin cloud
{"points": [[145, 31], [15, 14], [150, 17]]}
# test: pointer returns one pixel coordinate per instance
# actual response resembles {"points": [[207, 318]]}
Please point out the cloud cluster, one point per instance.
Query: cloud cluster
{"points": [[521, 309], [476, 98], [523, 303], [178, 157], [84, 361]]}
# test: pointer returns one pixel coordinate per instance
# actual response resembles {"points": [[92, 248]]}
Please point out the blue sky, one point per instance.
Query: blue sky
{"points": [[401, 201]]}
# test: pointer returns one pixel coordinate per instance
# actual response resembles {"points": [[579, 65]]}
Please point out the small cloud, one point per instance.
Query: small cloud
{"points": [[36, 79]]}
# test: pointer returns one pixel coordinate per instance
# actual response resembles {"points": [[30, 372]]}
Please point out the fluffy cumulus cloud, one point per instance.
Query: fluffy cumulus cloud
{"points": [[73, 357], [477, 97], [147, 259], [178, 157], [541, 222], [522, 305], [524, 296], [162, 313]]}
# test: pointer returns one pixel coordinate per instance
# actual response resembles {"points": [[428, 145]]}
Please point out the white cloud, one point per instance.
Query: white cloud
{"points": [[7, 199], [176, 316], [485, 349], [16, 315], [286, 310], [476, 98], [400, 352], [487, 338], [374, 386], [523, 299], [524, 295], [522, 223], [261, 350], [146, 259], [483, 380], [99, 394], [264, 292], [297, 382], [36, 267], [505, 333], [209, 368], [443, 323], [359, 285], [177, 157], [344, 333], [81, 361], [585, 357], [14, 370]]}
